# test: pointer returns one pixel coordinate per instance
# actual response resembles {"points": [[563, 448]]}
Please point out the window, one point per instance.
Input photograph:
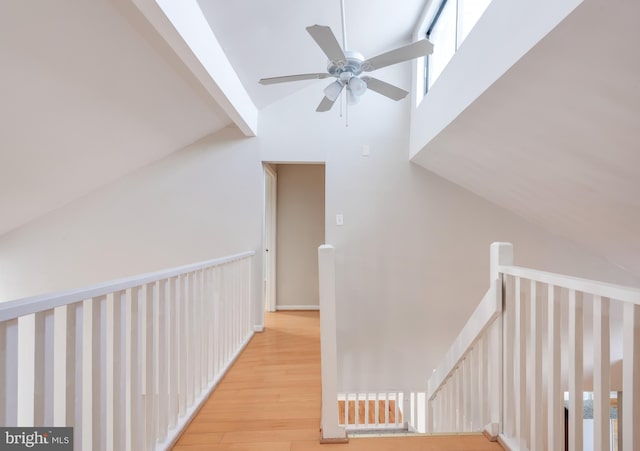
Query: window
{"points": [[450, 25]]}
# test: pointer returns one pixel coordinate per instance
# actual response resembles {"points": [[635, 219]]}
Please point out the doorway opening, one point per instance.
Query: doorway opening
{"points": [[294, 228]]}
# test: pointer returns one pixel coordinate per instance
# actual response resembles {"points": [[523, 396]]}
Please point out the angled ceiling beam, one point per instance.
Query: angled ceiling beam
{"points": [[183, 26]]}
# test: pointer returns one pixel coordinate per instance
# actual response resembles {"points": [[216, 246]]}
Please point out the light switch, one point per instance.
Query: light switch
{"points": [[365, 150], [339, 219]]}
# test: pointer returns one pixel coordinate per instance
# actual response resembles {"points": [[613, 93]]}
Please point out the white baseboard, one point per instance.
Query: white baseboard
{"points": [[297, 307], [258, 328], [509, 444]]}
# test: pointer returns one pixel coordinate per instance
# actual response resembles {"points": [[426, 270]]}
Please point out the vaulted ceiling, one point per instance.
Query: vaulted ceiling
{"points": [[555, 139], [268, 38], [89, 93], [93, 90]]}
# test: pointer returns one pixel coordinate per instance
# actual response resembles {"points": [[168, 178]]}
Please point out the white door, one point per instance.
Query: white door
{"points": [[271, 181]]}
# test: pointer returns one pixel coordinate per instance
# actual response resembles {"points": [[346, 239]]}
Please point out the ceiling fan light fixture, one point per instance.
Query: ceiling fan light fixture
{"points": [[357, 86], [347, 66], [332, 91], [352, 98]]}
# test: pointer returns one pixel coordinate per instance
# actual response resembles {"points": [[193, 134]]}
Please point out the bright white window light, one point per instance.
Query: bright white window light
{"points": [[449, 26], [469, 11]]}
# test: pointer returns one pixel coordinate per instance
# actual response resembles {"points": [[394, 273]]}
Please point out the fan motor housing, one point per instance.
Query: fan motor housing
{"points": [[352, 65]]}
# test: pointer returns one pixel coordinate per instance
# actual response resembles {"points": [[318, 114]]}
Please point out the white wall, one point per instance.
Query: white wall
{"points": [[202, 202], [300, 231], [413, 254], [505, 32]]}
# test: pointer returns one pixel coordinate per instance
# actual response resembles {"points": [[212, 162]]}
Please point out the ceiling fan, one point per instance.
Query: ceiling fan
{"points": [[347, 67]]}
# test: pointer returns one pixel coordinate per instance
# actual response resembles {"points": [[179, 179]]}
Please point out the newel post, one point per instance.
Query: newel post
{"points": [[331, 431], [501, 255]]}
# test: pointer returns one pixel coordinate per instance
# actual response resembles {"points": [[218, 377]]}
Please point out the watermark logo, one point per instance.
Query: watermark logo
{"points": [[36, 439]]}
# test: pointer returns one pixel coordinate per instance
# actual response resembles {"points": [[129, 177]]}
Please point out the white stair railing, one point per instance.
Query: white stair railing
{"points": [[126, 363], [533, 313], [375, 411], [504, 372]]}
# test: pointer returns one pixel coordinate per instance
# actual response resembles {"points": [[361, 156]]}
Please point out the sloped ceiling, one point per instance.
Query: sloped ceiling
{"points": [[268, 38], [88, 93], [556, 139]]}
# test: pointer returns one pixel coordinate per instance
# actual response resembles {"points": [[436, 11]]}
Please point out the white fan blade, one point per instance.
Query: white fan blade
{"points": [[287, 78], [384, 88], [406, 53], [327, 41], [325, 105]]}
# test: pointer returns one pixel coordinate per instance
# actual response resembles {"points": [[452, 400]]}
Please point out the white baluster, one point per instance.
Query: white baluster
{"points": [[366, 409], [555, 423], [113, 389], [443, 409], [451, 391], [509, 388], [43, 399], [459, 398], [9, 372], [204, 334], [631, 378], [386, 408], [161, 361], [428, 420], [181, 337], [520, 363], [64, 351], [148, 376], [484, 381], [467, 394], [377, 409], [234, 308], [224, 318], [413, 412], [210, 325], [197, 323], [91, 378], [535, 372], [216, 320], [601, 369], [188, 330], [173, 359], [249, 284], [576, 396], [495, 371], [26, 370], [132, 362]]}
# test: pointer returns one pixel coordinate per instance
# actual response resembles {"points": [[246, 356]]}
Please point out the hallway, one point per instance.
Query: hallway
{"points": [[270, 400]]}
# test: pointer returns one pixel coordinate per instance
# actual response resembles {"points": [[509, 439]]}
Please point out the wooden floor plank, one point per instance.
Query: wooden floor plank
{"points": [[270, 400]]}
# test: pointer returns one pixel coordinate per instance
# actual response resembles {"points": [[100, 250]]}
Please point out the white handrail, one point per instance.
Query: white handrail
{"points": [[484, 315], [492, 379], [604, 289], [34, 304], [127, 362]]}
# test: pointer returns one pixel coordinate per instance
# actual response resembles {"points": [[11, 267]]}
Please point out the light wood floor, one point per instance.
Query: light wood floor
{"points": [[270, 400]]}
